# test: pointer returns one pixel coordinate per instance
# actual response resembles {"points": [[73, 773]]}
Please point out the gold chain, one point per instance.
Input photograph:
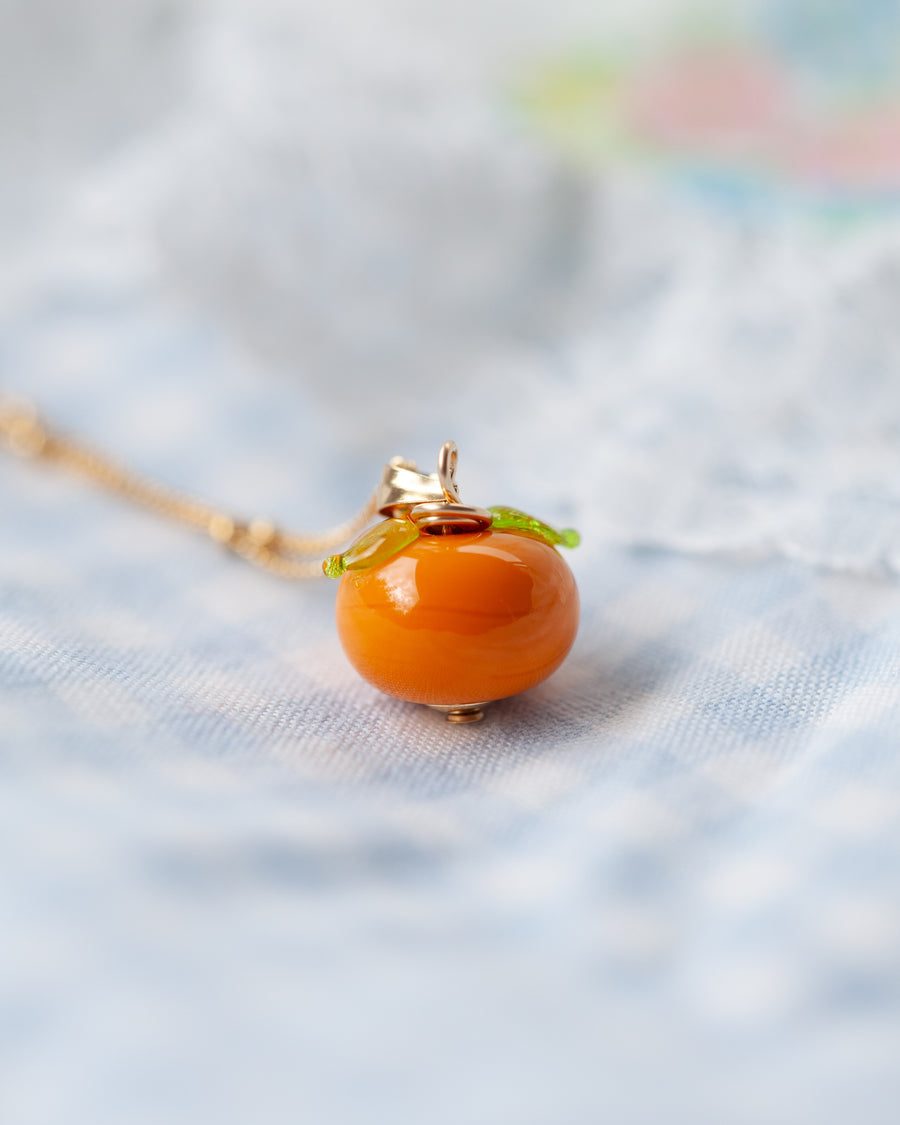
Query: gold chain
{"points": [[283, 553]]}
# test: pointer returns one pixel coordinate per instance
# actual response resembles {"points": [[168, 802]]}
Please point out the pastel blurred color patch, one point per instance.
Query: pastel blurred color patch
{"points": [[736, 120]]}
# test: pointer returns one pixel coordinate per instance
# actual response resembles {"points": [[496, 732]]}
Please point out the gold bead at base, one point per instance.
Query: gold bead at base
{"points": [[460, 712], [465, 716]]}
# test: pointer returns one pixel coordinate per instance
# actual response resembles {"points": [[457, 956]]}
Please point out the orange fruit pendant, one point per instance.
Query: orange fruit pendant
{"points": [[453, 606]]}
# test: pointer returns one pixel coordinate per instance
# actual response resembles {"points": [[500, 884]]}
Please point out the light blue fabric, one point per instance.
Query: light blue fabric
{"points": [[240, 885]]}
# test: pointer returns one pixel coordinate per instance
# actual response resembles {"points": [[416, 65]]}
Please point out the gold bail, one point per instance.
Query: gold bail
{"points": [[403, 486], [432, 502], [448, 459]]}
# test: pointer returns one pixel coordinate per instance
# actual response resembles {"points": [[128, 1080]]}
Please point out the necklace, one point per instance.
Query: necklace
{"points": [[438, 603]]}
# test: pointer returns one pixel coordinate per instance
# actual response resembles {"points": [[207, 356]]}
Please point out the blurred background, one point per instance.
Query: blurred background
{"points": [[642, 262], [660, 242]]}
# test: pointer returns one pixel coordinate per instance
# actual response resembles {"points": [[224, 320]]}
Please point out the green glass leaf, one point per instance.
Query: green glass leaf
{"points": [[334, 566], [511, 519], [373, 547]]}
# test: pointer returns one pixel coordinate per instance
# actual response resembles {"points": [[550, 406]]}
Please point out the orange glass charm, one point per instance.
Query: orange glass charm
{"points": [[453, 606]]}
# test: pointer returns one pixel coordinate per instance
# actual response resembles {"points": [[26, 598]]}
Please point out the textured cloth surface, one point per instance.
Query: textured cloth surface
{"points": [[237, 883]]}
